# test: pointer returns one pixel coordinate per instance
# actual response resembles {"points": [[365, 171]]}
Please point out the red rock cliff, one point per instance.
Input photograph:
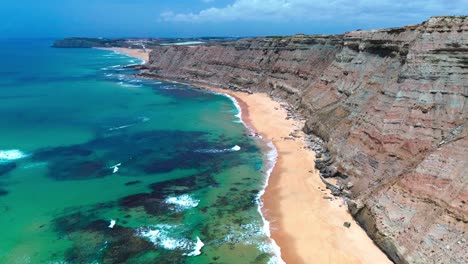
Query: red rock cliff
{"points": [[391, 105]]}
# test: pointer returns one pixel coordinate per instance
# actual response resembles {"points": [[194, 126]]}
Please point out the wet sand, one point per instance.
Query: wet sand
{"points": [[308, 228]]}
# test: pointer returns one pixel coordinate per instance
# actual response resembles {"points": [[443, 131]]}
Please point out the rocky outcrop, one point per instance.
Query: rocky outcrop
{"points": [[390, 105], [82, 43]]}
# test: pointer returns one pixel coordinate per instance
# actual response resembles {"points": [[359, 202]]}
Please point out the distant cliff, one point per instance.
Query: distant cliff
{"points": [[133, 42], [391, 105], [84, 43]]}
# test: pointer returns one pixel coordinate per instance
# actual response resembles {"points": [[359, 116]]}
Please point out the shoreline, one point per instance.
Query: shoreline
{"points": [[135, 53], [306, 227]]}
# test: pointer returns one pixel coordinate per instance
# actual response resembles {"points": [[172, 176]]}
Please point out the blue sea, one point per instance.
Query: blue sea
{"points": [[99, 166]]}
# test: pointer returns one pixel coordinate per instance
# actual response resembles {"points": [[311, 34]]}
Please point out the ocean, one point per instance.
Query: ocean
{"points": [[99, 166]]}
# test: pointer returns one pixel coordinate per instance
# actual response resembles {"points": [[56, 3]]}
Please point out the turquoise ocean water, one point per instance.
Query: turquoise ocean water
{"points": [[98, 166]]}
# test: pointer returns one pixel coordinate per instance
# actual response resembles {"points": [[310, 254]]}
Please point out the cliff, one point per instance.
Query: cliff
{"points": [[138, 43], [390, 105]]}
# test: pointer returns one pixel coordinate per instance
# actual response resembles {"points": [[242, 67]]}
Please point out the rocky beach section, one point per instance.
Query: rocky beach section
{"points": [[390, 107]]}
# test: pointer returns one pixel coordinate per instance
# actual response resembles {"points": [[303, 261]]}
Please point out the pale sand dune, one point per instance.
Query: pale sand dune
{"points": [[308, 228]]}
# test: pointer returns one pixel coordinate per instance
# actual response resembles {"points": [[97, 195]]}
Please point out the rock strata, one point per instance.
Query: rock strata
{"points": [[386, 113]]}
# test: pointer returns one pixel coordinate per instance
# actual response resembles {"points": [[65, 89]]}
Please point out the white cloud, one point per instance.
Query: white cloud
{"points": [[319, 10]]}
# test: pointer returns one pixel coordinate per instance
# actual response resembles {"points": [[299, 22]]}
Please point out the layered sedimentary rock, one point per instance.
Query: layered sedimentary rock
{"points": [[391, 105]]}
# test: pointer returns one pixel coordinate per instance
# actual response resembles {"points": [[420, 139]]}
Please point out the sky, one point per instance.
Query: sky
{"points": [[194, 18]]}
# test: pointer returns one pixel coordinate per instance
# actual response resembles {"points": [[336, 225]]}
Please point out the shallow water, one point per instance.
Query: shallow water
{"points": [[97, 166]]}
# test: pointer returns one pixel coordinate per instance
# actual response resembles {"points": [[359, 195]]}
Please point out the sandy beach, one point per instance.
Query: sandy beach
{"points": [[307, 227], [137, 53]]}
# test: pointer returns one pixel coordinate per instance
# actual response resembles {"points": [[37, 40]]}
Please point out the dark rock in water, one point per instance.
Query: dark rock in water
{"points": [[98, 225], [134, 200], [125, 246], [153, 202], [62, 152], [161, 167], [136, 67], [132, 183], [347, 224], [78, 170], [118, 244], [3, 192], [6, 167]]}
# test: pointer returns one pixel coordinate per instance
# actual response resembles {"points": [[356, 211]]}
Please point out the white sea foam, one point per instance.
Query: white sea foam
{"points": [[272, 157], [128, 85], [198, 246], [115, 168], [112, 223], [160, 236], [239, 109], [124, 55], [236, 148], [182, 202], [12, 154]]}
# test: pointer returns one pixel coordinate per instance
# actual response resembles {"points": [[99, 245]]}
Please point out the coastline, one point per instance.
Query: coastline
{"points": [[136, 53], [307, 227]]}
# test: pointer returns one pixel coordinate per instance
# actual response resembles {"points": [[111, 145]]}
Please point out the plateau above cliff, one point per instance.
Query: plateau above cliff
{"points": [[391, 105]]}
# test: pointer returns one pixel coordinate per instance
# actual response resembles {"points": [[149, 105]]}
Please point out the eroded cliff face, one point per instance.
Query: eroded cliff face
{"points": [[391, 105]]}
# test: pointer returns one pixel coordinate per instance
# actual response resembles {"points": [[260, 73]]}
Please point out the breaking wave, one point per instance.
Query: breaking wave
{"points": [[182, 202], [10, 155], [160, 236]]}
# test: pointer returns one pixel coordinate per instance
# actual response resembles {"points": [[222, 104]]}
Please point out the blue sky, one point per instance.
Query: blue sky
{"points": [[186, 18]]}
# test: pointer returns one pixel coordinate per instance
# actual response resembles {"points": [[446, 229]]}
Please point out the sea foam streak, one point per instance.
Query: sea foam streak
{"points": [[142, 119], [235, 148], [12, 154]]}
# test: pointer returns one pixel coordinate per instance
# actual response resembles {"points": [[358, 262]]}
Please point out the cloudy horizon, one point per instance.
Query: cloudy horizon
{"points": [[185, 18]]}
